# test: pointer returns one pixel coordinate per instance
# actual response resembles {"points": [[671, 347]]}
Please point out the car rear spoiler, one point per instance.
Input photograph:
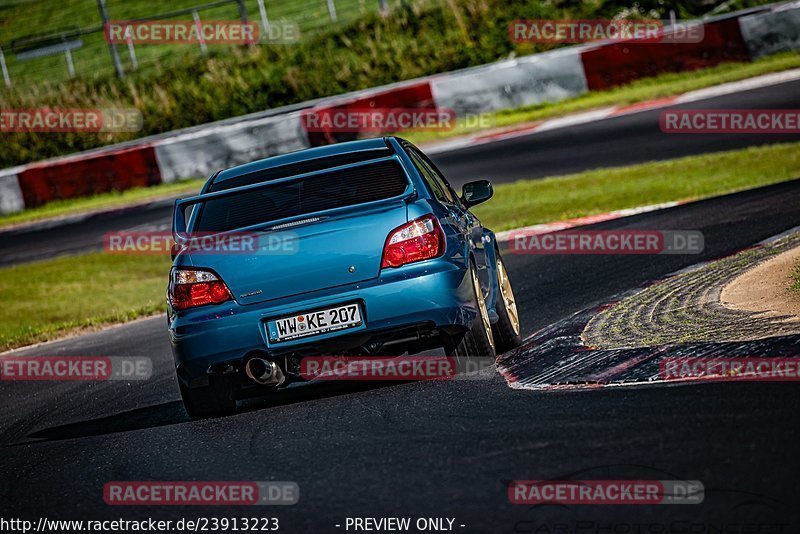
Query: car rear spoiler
{"points": [[180, 223]]}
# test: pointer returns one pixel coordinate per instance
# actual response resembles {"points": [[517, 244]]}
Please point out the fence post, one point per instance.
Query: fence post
{"points": [[332, 10], [243, 17], [264, 20], [70, 65], [132, 52], [200, 37], [101, 5], [384, 6], [6, 77], [242, 11]]}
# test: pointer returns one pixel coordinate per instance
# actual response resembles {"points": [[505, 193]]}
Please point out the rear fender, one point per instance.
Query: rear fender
{"points": [[492, 287], [458, 248]]}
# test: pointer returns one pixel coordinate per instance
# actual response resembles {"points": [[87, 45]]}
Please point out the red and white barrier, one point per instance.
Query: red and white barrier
{"points": [[412, 94], [619, 63], [525, 81], [203, 152], [86, 175], [771, 32], [11, 199]]}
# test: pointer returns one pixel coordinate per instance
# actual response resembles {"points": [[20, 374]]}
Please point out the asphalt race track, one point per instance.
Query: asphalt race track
{"points": [[623, 140], [433, 449]]}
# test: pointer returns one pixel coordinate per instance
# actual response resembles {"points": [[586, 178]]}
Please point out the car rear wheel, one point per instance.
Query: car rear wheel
{"points": [[478, 341], [506, 329], [213, 400]]}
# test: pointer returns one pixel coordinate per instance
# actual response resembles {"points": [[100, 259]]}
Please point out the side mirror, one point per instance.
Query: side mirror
{"points": [[476, 192]]}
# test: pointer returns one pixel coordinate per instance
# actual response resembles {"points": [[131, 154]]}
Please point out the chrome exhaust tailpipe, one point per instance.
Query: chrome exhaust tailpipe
{"points": [[264, 372]]}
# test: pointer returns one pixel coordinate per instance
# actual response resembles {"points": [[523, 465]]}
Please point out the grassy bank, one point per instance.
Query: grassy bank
{"points": [[47, 299], [535, 201]]}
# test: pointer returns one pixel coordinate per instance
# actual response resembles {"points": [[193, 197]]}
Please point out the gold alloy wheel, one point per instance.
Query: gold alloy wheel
{"points": [[487, 325], [508, 295]]}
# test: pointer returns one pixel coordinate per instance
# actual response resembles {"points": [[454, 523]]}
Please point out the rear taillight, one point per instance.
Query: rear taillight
{"points": [[421, 239], [190, 288]]}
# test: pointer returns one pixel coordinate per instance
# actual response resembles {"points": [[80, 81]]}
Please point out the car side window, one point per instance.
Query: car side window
{"points": [[449, 191], [439, 189]]}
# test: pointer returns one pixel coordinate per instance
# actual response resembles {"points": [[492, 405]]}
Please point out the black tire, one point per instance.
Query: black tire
{"points": [[506, 330], [213, 400], [478, 340]]}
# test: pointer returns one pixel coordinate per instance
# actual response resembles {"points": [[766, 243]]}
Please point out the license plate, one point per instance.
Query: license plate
{"points": [[316, 322]]}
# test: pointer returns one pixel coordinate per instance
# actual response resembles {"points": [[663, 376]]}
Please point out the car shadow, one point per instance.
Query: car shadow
{"points": [[171, 413]]}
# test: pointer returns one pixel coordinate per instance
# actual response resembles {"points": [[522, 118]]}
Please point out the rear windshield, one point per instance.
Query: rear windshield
{"points": [[293, 169], [309, 195]]}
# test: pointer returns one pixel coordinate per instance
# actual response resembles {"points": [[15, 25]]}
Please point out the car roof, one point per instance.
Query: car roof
{"points": [[300, 156]]}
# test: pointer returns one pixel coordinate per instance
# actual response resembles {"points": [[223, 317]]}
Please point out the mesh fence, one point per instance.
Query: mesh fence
{"points": [[60, 39]]}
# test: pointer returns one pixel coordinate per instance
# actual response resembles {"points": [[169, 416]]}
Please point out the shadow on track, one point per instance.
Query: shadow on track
{"points": [[170, 413]]}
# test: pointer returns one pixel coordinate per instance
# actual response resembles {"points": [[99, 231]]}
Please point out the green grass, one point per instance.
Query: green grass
{"points": [[796, 278], [47, 299], [550, 199], [662, 86], [72, 206]]}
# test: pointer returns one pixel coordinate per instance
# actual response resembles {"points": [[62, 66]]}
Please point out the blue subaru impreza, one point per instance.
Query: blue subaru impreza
{"points": [[359, 248]]}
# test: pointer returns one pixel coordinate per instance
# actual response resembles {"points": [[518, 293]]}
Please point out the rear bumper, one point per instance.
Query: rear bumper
{"points": [[435, 294]]}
